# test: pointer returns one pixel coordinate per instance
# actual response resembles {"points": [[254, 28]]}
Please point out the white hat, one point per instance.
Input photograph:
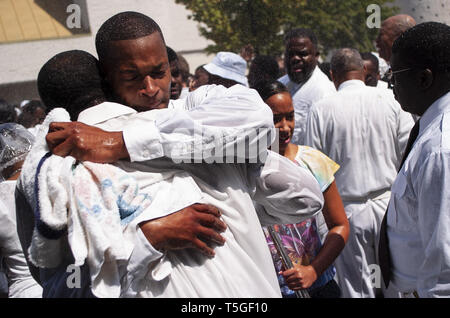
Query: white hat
{"points": [[230, 66]]}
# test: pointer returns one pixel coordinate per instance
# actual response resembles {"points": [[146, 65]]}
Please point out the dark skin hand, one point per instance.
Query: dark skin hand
{"points": [[197, 226], [86, 143], [301, 277]]}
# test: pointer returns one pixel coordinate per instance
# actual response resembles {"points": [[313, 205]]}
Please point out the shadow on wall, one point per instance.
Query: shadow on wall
{"points": [[15, 93], [58, 10]]}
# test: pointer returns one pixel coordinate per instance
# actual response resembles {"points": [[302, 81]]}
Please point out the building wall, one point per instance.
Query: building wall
{"points": [[426, 10], [20, 62]]}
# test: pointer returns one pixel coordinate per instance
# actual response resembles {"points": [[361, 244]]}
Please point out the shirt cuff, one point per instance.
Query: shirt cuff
{"points": [[142, 256], [143, 142]]}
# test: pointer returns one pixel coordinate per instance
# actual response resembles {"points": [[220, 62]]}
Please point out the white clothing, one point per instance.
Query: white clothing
{"points": [[384, 65], [230, 187], [201, 126], [304, 96], [419, 211], [184, 92], [382, 84], [354, 272], [21, 284], [364, 130], [97, 203]]}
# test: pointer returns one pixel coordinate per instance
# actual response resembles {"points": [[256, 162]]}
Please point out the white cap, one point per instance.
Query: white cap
{"points": [[230, 66]]}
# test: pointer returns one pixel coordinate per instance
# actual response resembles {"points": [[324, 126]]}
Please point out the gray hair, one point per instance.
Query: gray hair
{"points": [[346, 60]]}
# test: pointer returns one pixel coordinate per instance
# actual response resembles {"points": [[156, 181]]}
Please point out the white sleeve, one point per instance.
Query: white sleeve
{"points": [[210, 122], [313, 132], [288, 192], [21, 283], [432, 184]]}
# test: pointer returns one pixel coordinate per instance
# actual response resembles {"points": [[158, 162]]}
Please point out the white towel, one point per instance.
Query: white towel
{"points": [[94, 202]]}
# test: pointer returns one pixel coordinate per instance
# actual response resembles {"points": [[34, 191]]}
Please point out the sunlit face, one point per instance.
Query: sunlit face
{"points": [[138, 72], [283, 116], [300, 59]]}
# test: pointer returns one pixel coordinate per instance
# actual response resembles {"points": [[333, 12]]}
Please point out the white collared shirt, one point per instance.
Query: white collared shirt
{"points": [[288, 194], [303, 96], [365, 131], [419, 211]]}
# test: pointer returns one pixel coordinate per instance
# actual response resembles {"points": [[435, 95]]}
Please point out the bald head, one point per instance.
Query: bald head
{"points": [[391, 29], [346, 64]]}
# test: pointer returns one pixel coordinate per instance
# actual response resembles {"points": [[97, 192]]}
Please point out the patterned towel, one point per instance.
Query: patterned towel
{"points": [[106, 200]]}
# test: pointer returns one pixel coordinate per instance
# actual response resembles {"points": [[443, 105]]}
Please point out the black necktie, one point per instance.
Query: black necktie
{"points": [[383, 247]]}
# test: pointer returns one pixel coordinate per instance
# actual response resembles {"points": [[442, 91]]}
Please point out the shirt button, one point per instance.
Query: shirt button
{"points": [[146, 153]]}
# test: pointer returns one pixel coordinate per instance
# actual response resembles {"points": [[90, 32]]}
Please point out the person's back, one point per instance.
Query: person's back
{"points": [[364, 130], [360, 128]]}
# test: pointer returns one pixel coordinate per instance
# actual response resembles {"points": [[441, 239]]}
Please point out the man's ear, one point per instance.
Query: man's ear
{"points": [[426, 79]]}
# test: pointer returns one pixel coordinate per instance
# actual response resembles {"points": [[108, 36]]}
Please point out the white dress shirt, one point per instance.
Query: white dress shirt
{"points": [[419, 212], [200, 125], [303, 96], [244, 263], [21, 284], [365, 131]]}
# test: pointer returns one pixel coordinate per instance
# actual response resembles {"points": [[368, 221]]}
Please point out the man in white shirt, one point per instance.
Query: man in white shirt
{"points": [[417, 221], [365, 131], [304, 79], [222, 185]]}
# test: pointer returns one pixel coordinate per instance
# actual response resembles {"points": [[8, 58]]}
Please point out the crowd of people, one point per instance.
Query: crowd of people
{"points": [[249, 178]]}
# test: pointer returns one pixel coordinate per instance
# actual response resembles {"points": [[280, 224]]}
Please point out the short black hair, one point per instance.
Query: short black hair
{"points": [[268, 65], [367, 56], [302, 33], [171, 54], [127, 25], [7, 112], [426, 45], [28, 114], [267, 89], [71, 80], [32, 105]]}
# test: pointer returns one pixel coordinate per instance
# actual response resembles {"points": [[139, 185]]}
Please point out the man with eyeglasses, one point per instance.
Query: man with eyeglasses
{"points": [[415, 238]]}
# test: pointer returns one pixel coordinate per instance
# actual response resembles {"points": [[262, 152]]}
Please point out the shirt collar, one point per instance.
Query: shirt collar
{"points": [[351, 84], [102, 112], [438, 108]]}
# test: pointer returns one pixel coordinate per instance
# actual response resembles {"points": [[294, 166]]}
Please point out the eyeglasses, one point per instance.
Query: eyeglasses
{"points": [[390, 75]]}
